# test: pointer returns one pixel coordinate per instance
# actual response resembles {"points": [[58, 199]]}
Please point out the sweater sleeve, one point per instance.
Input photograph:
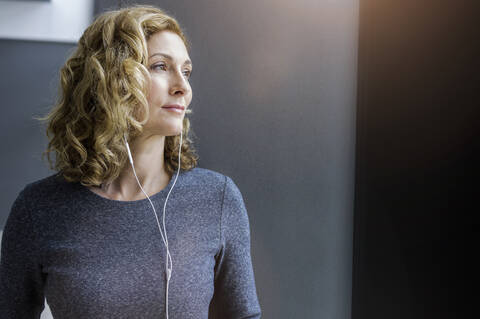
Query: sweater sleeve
{"points": [[21, 282], [235, 295]]}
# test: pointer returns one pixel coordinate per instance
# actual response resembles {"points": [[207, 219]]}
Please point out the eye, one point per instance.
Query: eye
{"points": [[188, 73], [162, 66]]}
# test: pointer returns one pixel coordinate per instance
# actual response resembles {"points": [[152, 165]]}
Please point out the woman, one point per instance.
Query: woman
{"points": [[89, 238]]}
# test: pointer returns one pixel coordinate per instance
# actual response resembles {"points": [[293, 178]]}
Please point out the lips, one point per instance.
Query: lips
{"points": [[174, 106]]}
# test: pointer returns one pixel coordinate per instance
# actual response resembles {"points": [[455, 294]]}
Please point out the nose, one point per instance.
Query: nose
{"points": [[179, 84]]}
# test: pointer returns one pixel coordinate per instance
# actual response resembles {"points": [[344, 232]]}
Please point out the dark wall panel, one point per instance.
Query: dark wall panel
{"points": [[417, 147]]}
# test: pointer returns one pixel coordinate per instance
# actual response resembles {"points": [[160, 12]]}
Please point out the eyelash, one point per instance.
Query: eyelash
{"points": [[153, 67]]}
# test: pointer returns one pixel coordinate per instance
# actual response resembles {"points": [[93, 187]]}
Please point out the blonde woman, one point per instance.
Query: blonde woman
{"points": [[129, 226]]}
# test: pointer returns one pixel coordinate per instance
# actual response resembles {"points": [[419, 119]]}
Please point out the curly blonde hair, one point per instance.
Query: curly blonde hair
{"points": [[103, 90]]}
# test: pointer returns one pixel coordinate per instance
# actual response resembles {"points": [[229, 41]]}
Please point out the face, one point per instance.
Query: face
{"points": [[170, 67]]}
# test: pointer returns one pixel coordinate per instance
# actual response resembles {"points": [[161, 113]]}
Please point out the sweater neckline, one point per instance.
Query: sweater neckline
{"points": [[98, 198]]}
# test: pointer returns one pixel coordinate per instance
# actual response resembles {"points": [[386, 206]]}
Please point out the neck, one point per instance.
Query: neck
{"points": [[148, 159]]}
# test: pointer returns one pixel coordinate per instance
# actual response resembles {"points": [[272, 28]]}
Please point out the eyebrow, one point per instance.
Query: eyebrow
{"points": [[187, 62]]}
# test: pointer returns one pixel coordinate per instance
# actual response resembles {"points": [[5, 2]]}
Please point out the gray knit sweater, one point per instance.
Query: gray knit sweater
{"points": [[94, 257]]}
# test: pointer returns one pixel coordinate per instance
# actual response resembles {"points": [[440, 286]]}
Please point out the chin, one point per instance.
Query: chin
{"points": [[164, 130], [171, 132]]}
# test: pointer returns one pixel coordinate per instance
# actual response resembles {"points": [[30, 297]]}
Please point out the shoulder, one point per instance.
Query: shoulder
{"points": [[208, 179], [46, 189], [29, 200], [204, 177]]}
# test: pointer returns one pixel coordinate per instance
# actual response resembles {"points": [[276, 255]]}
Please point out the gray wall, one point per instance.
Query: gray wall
{"points": [[28, 84], [273, 107]]}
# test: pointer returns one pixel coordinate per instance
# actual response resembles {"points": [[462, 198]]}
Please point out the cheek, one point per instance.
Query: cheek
{"points": [[157, 90]]}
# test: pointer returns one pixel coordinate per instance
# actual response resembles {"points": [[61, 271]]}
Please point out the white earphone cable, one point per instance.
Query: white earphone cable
{"points": [[168, 269]]}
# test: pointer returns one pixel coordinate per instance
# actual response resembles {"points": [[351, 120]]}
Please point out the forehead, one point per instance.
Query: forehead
{"points": [[169, 43]]}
